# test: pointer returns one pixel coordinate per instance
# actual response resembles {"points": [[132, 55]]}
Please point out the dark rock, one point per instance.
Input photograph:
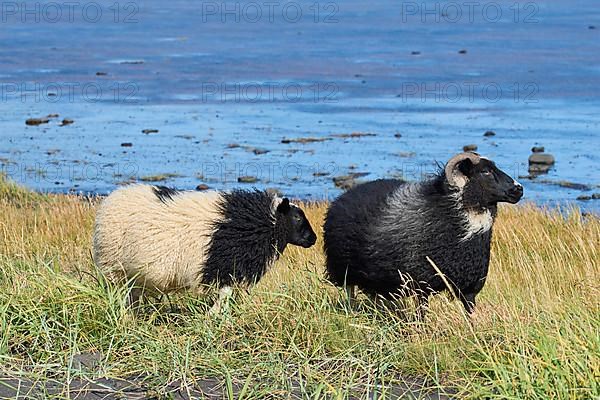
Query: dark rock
{"points": [[536, 169], [304, 140], [541, 158], [596, 196], [353, 135], [247, 179], [530, 177], [101, 74], [66, 121], [134, 62], [186, 137], [584, 197], [202, 187], [591, 27], [149, 131], [37, 121], [346, 182], [463, 51], [470, 147], [233, 146], [573, 185], [159, 177], [565, 184], [398, 135], [320, 173], [87, 361], [257, 151], [415, 53], [489, 134], [127, 144], [537, 149]]}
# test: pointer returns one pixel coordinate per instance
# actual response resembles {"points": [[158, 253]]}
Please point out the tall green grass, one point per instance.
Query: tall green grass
{"points": [[534, 335]]}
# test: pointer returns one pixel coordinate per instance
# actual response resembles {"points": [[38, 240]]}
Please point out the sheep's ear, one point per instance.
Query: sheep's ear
{"points": [[460, 168], [284, 206]]}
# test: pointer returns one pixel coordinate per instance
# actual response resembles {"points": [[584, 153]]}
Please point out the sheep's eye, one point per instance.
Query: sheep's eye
{"points": [[487, 172]]}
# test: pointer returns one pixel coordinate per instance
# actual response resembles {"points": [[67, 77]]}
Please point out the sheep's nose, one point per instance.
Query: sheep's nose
{"points": [[516, 190], [310, 239]]}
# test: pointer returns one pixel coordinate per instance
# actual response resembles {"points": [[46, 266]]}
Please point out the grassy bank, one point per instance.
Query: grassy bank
{"points": [[535, 334]]}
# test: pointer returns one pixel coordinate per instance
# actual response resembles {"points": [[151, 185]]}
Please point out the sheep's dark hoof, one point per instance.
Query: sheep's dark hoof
{"points": [[468, 301]]}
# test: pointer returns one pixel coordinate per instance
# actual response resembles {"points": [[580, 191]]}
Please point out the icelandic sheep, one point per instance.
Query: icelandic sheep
{"points": [[378, 235], [165, 240]]}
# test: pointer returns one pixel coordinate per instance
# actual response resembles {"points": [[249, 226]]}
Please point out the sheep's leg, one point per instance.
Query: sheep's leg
{"points": [[468, 301], [223, 301]]}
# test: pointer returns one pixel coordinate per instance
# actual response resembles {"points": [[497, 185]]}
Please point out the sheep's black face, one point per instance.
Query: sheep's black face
{"points": [[300, 233], [488, 185]]}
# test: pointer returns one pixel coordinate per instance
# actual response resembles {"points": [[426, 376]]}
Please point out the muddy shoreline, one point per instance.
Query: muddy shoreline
{"points": [[190, 98], [145, 387]]}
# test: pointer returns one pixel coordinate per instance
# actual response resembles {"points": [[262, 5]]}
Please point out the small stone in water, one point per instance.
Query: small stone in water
{"points": [[541, 158], [247, 179], [36, 121]]}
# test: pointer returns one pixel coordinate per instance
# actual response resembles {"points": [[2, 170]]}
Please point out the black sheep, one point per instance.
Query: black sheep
{"points": [[378, 235]]}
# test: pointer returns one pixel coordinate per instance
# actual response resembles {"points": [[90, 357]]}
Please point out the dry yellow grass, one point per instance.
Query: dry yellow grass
{"points": [[535, 334]]}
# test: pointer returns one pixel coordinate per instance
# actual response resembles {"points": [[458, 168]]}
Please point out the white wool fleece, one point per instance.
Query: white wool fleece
{"points": [[162, 244]]}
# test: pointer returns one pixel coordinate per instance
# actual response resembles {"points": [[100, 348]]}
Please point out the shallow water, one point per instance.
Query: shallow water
{"points": [[207, 76]]}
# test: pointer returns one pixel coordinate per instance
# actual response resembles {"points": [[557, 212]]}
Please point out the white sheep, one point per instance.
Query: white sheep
{"points": [[167, 240]]}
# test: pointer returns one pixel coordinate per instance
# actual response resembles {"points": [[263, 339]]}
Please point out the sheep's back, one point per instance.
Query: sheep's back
{"points": [[163, 241]]}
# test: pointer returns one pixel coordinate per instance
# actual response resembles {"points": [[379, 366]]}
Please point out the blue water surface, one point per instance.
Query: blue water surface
{"points": [[225, 82]]}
